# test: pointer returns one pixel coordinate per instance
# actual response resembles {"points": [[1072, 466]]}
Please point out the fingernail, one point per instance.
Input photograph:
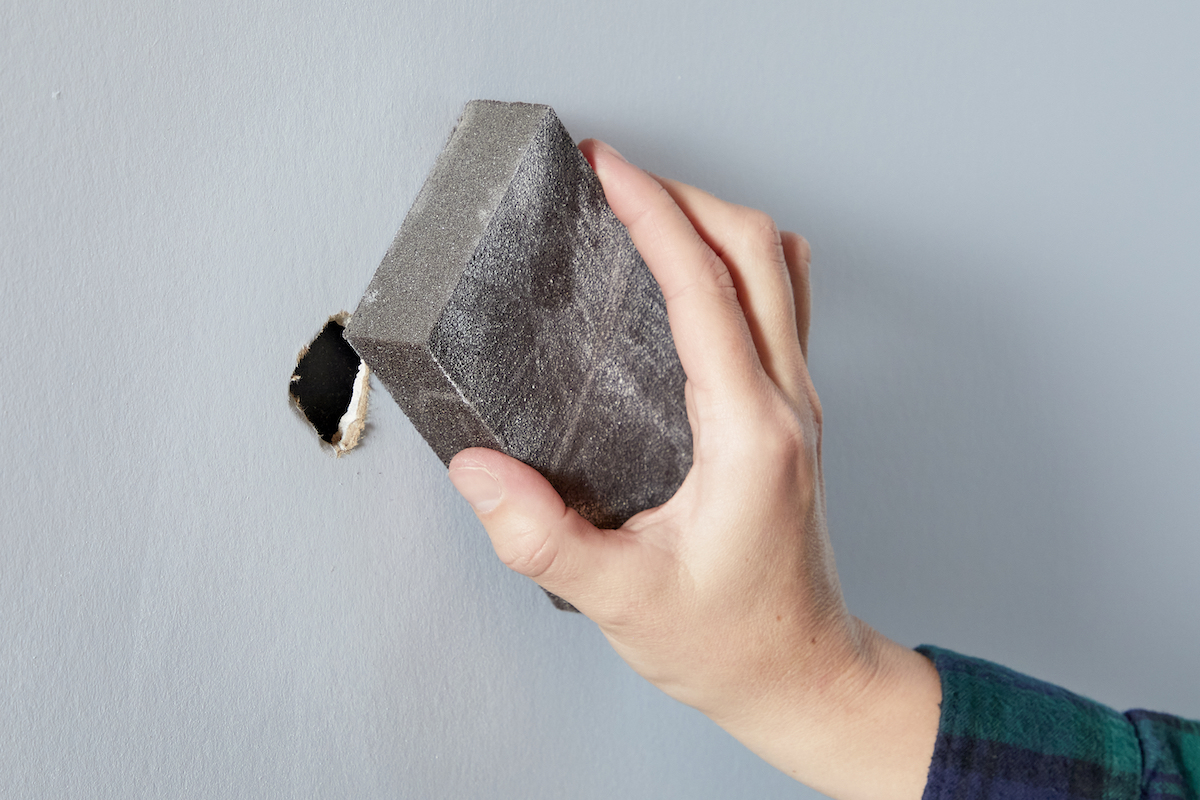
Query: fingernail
{"points": [[478, 487]]}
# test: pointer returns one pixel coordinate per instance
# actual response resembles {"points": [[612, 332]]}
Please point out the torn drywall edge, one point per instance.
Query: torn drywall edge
{"points": [[354, 421]]}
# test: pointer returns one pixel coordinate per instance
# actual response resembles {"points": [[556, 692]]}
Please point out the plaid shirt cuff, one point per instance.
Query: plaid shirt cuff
{"points": [[1006, 736]]}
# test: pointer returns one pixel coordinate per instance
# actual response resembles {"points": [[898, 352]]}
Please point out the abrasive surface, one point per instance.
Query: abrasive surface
{"points": [[514, 312]]}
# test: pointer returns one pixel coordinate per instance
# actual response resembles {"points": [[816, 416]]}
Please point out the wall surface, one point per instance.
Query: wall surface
{"points": [[197, 600]]}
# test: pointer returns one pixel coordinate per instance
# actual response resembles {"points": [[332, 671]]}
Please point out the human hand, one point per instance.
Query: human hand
{"points": [[726, 597]]}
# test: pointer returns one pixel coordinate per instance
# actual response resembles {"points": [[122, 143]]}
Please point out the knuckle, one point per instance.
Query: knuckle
{"points": [[716, 272], [805, 250], [814, 403], [788, 435], [798, 257], [646, 214], [658, 205], [791, 437], [760, 229], [526, 550], [797, 244], [711, 275]]}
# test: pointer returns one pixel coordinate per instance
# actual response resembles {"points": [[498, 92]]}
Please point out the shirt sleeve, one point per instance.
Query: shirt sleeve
{"points": [[1006, 736]]}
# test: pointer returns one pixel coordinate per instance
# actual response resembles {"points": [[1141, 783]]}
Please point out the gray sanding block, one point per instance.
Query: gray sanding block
{"points": [[513, 312]]}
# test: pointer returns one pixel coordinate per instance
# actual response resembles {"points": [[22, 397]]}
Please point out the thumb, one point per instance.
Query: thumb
{"points": [[532, 530]]}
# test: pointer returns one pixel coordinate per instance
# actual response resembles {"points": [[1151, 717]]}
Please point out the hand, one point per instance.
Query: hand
{"points": [[726, 597]]}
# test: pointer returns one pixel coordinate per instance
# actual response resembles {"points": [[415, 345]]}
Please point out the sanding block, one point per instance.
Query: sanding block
{"points": [[513, 312]]}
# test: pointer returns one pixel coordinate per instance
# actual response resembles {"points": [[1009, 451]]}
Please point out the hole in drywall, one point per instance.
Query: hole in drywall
{"points": [[330, 385]]}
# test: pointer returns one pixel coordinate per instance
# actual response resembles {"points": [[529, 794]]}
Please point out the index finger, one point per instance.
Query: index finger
{"points": [[707, 322]]}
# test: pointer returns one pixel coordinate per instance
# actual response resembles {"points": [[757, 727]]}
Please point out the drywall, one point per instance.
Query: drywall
{"points": [[196, 599]]}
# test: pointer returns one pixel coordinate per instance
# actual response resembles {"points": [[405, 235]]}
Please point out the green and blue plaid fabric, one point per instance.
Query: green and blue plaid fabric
{"points": [[1006, 736]]}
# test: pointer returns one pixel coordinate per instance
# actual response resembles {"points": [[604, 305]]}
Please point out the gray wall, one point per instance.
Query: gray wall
{"points": [[198, 601]]}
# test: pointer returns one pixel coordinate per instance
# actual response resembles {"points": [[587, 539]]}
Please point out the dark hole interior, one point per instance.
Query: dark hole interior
{"points": [[323, 382]]}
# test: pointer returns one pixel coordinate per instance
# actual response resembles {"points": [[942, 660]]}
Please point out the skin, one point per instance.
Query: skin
{"points": [[727, 596]]}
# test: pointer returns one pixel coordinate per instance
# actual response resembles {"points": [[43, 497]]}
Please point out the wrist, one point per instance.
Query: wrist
{"points": [[860, 724]]}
